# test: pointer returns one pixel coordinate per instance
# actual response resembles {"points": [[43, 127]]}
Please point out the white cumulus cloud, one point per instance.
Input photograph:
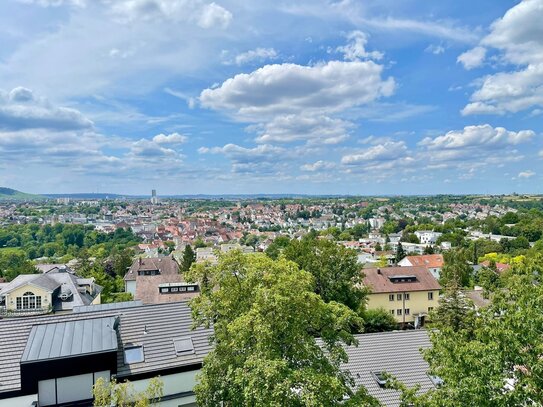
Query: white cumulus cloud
{"points": [[477, 136], [517, 36], [472, 58], [255, 55], [173, 138]]}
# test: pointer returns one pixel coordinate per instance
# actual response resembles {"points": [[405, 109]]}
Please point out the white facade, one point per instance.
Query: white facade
{"points": [[427, 236]]}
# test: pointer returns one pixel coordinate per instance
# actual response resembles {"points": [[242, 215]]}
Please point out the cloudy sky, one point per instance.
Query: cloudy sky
{"points": [[283, 96]]}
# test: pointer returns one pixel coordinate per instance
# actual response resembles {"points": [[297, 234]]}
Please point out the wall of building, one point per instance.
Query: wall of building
{"points": [[418, 303], [174, 384], [130, 287], [23, 401], [97, 300], [11, 302]]}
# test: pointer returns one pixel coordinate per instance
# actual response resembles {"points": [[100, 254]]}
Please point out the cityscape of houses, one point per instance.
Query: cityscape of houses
{"points": [[61, 322]]}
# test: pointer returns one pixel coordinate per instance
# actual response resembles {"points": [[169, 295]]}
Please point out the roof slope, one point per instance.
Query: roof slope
{"points": [[397, 353], [162, 322], [378, 279], [166, 265], [427, 260], [70, 338]]}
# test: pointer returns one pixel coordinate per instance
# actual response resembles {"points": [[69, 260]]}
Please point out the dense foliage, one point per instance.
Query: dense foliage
{"points": [[335, 269], [266, 317], [493, 357]]}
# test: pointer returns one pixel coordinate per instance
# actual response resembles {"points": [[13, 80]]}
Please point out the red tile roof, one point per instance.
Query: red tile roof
{"points": [[427, 260], [500, 267], [378, 279]]}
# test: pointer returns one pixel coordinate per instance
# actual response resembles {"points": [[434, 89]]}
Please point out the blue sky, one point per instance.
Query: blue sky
{"points": [[315, 97]]}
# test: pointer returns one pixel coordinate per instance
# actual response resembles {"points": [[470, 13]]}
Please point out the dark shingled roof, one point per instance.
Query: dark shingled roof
{"points": [[162, 323], [397, 353], [378, 279]]}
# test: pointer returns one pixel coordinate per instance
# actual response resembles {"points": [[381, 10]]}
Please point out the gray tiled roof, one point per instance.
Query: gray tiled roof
{"points": [[397, 353], [70, 338], [108, 306], [162, 322]]}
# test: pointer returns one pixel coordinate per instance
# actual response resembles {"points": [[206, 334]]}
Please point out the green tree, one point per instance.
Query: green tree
{"points": [[122, 394], [400, 253], [456, 270], [189, 257], [277, 246], [266, 317], [454, 309], [497, 361], [335, 268], [378, 320]]}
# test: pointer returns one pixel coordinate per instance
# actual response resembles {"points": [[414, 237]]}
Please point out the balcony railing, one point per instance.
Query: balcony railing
{"points": [[5, 313]]}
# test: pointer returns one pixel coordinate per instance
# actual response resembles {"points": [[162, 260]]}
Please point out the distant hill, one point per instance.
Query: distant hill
{"points": [[8, 194]]}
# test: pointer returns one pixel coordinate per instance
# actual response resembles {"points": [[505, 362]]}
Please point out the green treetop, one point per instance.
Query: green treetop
{"points": [[266, 317]]}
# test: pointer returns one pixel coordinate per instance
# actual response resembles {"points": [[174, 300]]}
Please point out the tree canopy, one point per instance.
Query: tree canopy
{"points": [[266, 318], [335, 269]]}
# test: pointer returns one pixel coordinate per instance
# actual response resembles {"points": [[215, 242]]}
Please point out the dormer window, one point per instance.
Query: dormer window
{"points": [[402, 279]]}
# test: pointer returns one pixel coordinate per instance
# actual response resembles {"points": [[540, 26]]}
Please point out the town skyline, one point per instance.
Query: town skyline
{"points": [[311, 98]]}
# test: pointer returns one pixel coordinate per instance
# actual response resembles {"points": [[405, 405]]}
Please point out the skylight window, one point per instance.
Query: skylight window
{"points": [[380, 378], [133, 354], [183, 346]]}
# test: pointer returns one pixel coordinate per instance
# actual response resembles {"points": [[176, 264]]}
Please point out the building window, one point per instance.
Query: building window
{"points": [[392, 311], [399, 297], [430, 309], [175, 289], [407, 311], [190, 288], [133, 354], [28, 301], [406, 296], [391, 297], [430, 296], [183, 346], [380, 378], [398, 312], [164, 290]]}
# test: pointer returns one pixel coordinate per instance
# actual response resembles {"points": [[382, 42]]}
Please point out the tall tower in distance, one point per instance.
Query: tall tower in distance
{"points": [[154, 199]]}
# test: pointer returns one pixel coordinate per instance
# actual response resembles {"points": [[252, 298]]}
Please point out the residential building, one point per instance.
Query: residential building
{"points": [[433, 262], [56, 360], [408, 293], [55, 291], [158, 280], [427, 237], [206, 254], [397, 353]]}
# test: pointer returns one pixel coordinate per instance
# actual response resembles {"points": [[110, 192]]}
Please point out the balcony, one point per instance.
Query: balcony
{"points": [[5, 313]]}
